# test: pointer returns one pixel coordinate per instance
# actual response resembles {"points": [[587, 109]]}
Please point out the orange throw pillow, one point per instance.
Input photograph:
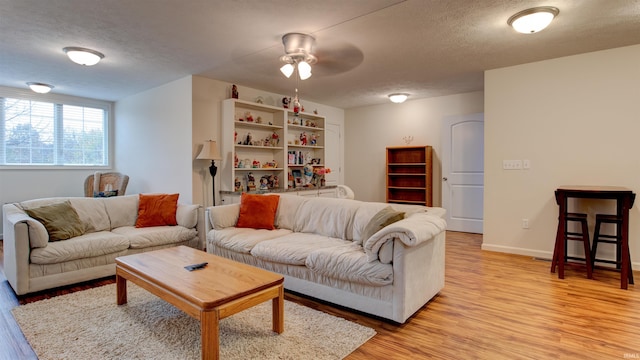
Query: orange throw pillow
{"points": [[258, 211], [157, 210]]}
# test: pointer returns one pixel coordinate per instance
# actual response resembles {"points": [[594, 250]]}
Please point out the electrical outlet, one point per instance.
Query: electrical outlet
{"points": [[525, 223], [512, 164], [526, 164]]}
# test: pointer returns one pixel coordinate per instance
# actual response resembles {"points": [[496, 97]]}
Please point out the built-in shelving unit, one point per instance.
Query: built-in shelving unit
{"points": [[409, 175], [257, 135]]}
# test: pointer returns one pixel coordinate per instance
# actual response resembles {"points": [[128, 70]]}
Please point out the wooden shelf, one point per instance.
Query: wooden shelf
{"points": [[409, 175]]}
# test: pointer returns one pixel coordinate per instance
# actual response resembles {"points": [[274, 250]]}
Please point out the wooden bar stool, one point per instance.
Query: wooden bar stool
{"points": [[583, 236], [609, 239]]}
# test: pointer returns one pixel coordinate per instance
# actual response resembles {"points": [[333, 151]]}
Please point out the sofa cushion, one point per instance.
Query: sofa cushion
{"points": [[293, 248], [61, 220], [92, 213], [139, 238], [242, 240], [349, 263], [187, 215], [287, 210], [157, 210], [326, 216], [83, 246], [258, 211], [384, 217], [224, 216], [122, 210]]}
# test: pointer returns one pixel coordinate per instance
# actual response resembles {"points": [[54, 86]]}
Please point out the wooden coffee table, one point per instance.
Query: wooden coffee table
{"points": [[223, 288]]}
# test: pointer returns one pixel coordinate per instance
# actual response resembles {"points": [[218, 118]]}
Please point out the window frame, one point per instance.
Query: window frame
{"points": [[107, 106]]}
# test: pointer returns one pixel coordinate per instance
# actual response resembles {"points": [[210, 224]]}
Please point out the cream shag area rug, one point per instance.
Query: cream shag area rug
{"points": [[89, 324]]}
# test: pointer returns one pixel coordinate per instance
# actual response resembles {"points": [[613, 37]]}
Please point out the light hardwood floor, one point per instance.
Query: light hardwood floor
{"points": [[493, 306]]}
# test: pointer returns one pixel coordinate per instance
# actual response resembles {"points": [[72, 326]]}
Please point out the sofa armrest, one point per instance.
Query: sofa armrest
{"points": [[16, 250], [411, 231]]}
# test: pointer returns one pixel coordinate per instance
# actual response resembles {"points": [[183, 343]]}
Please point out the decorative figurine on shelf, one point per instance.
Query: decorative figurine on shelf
{"points": [[296, 103], [285, 102], [260, 100], [234, 91], [259, 120], [251, 182], [303, 138], [275, 139], [315, 111], [248, 140], [235, 136], [264, 183], [276, 182], [240, 164], [248, 116], [307, 171], [235, 160], [237, 185], [314, 139], [255, 164]]}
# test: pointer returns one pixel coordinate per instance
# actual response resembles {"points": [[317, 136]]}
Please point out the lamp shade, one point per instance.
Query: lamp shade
{"points": [[304, 69], [209, 151], [287, 70]]}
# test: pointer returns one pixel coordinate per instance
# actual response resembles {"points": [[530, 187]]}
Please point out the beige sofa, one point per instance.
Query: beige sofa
{"points": [[33, 263], [319, 247]]}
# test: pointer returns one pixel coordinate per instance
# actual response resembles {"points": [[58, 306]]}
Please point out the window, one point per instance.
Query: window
{"points": [[53, 131]]}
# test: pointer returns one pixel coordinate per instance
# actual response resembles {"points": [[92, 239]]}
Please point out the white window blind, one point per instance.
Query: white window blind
{"points": [[42, 133]]}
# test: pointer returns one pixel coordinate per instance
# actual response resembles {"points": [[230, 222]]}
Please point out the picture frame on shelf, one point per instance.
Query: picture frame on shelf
{"points": [[297, 178]]}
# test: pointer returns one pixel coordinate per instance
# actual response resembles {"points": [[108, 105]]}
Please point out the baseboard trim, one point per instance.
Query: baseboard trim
{"points": [[541, 255]]}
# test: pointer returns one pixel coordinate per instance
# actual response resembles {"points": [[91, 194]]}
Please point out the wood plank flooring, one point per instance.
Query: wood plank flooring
{"points": [[493, 306]]}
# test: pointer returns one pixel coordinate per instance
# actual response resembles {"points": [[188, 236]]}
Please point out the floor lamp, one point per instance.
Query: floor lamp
{"points": [[210, 152]]}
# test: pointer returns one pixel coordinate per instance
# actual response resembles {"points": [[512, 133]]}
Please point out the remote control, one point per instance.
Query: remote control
{"points": [[196, 266]]}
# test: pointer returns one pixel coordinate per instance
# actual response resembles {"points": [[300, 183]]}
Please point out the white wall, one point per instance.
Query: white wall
{"points": [[369, 130], [577, 119], [153, 140], [207, 113]]}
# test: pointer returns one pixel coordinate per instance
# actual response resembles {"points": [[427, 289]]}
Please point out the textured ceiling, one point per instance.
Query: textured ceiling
{"points": [[366, 48]]}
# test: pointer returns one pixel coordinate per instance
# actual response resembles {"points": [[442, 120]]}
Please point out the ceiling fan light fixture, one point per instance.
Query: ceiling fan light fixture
{"points": [[83, 56], [287, 70], [533, 20], [40, 88], [398, 98], [299, 54]]}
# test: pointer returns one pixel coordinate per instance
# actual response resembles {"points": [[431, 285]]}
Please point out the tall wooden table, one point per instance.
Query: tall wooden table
{"points": [[223, 288], [624, 198]]}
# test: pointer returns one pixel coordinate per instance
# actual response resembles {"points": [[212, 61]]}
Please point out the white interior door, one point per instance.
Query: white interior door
{"points": [[463, 172]]}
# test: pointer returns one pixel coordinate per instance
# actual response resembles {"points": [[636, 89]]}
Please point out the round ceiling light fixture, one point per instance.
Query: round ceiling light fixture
{"points": [[533, 20], [40, 88], [83, 56], [398, 98]]}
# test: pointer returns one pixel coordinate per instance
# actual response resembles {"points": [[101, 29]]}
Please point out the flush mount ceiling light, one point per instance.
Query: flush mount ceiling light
{"points": [[533, 20], [40, 88], [398, 98], [299, 53], [83, 56]]}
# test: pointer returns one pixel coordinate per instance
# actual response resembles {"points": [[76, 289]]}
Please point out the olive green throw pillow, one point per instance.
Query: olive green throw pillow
{"points": [[61, 220], [384, 217]]}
